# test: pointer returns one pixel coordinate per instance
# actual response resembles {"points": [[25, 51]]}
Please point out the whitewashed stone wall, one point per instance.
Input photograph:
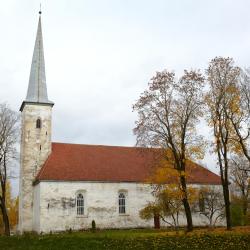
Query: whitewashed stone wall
{"points": [[35, 148], [57, 210], [36, 209]]}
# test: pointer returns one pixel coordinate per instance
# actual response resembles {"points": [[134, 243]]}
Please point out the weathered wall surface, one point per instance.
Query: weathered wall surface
{"points": [[58, 208], [36, 209], [35, 148]]}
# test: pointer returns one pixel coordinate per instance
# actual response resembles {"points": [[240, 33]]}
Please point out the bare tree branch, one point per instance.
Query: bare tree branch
{"points": [[8, 139]]}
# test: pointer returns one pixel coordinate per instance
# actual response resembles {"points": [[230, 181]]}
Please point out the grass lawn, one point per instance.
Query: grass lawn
{"points": [[238, 239]]}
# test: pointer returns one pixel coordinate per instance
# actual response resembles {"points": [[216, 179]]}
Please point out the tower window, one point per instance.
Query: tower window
{"points": [[38, 123]]}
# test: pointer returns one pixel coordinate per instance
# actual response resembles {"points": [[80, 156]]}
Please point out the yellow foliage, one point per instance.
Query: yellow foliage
{"points": [[12, 208], [13, 212], [196, 151]]}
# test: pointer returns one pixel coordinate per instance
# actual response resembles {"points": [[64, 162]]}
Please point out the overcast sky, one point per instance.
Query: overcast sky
{"points": [[100, 55]]}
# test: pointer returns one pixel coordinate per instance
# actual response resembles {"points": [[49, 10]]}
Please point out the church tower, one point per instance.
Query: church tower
{"points": [[36, 112]]}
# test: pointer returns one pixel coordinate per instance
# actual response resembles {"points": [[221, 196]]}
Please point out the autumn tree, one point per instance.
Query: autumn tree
{"points": [[168, 112], [12, 208], [168, 205], [222, 97], [211, 204], [13, 212], [8, 139], [240, 177], [239, 115]]}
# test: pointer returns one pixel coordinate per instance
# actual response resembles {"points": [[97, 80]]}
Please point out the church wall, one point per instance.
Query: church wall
{"points": [[58, 206], [58, 210]]}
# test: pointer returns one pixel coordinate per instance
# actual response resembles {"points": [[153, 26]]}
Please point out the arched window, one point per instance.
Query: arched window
{"points": [[80, 204], [38, 123], [122, 203]]}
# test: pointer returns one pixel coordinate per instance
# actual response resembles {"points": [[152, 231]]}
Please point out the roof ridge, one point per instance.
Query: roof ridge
{"points": [[101, 145]]}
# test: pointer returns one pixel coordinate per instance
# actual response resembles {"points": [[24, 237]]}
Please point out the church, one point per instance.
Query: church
{"points": [[66, 186]]}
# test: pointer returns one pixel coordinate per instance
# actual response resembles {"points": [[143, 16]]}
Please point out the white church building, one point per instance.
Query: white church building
{"points": [[65, 186]]}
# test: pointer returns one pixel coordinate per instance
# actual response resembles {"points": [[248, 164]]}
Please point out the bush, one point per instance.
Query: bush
{"points": [[247, 218], [93, 226], [237, 215]]}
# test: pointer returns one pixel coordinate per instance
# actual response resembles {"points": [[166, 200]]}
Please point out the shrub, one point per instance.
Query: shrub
{"points": [[237, 215], [93, 226], [247, 218]]}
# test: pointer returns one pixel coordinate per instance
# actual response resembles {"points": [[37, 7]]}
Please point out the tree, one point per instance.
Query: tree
{"points": [[13, 212], [222, 97], [245, 90], [239, 114], [12, 208], [8, 139], [168, 205], [211, 204], [167, 116], [240, 176]]}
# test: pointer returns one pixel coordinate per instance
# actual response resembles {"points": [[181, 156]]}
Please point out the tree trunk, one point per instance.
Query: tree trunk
{"points": [[227, 205], [244, 210], [224, 178], [5, 220], [186, 204], [157, 221], [245, 205]]}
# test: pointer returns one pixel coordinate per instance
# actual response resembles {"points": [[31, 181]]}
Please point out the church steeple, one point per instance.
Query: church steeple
{"points": [[37, 90], [35, 136]]}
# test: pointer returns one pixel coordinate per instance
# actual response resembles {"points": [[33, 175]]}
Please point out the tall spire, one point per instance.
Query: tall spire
{"points": [[37, 90]]}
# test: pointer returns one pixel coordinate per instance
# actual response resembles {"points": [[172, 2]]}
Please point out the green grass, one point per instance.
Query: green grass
{"points": [[130, 239]]}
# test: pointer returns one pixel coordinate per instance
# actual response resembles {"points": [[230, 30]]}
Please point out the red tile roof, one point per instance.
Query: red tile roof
{"points": [[74, 162]]}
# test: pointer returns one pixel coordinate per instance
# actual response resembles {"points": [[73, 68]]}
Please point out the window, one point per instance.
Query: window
{"points": [[122, 203], [80, 204], [38, 123]]}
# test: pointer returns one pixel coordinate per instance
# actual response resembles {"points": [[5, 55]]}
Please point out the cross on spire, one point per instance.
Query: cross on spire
{"points": [[40, 11]]}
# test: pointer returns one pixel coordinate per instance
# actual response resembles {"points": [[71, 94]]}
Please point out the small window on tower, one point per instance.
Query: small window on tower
{"points": [[38, 123]]}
